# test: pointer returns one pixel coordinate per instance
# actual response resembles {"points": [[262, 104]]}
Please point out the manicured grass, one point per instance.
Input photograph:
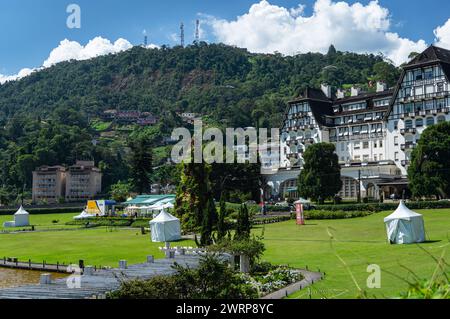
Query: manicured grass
{"points": [[359, 242], [99, 125], [42, 221], [96, 246]]}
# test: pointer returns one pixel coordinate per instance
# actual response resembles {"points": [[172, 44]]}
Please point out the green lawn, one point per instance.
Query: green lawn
{"points": [[42, 221], [100, 125], [96, 246], [359, 242]]}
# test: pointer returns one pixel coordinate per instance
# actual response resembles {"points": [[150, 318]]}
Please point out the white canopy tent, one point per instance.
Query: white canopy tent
{"points": [[21, 218], [405, 226], [84, 215], [165, 228]]}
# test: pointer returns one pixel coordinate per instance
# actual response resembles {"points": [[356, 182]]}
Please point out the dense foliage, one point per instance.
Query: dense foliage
{"points": [[213, 279], [429, 171], [321, 175], [51, 116]]}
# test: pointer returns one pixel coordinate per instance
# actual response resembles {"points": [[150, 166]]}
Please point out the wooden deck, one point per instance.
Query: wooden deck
{"points": [[100, 282], [33, 266]]}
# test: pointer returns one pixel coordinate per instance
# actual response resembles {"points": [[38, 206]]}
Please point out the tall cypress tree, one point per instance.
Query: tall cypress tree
{"points": [[209, 219], [141, 164], [243, 224], [221, 227]]}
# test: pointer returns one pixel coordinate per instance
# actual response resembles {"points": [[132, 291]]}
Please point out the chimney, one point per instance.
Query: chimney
{"points": [[326, 89], [355, 91], [381, 86], [340, 94]]}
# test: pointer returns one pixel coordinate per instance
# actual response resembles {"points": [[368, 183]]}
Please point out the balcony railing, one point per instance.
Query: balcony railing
{"points": [[409, 130], [408, 146]]}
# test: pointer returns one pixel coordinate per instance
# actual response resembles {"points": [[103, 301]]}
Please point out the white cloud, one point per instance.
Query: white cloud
{"points": [[72, 50], [267, 28], [442, 35], [22, 73]]}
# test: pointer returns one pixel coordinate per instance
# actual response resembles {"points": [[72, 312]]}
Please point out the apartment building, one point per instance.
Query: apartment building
{"points": [[49, 184], [374, 132], [83, 181]]}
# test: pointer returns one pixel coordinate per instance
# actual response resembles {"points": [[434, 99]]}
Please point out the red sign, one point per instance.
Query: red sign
{"points": [[300, 215]]}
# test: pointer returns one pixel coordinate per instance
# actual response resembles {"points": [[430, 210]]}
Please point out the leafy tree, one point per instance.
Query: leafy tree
{"points": [[120, 191], [384, 71], [193, 194], [141, 165], [320, 177], [429, 172]]}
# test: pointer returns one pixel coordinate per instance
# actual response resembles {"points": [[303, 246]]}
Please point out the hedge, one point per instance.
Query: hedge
{"points": [[43, 211], [378, 207]]}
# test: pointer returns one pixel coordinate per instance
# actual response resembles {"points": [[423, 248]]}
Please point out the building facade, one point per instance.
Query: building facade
{"points": [[374, 132], [49, 184], [83, 181]]}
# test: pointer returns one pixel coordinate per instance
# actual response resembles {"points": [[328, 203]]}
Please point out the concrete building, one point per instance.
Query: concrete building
{"points": [[83, 181], [374, 132], [49, 184]]}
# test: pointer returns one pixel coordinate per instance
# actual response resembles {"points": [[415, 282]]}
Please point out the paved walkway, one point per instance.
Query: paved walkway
{"points": [[310, 278]]}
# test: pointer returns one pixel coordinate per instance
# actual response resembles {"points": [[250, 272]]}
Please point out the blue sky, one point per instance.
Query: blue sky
{"points": [[30, 29]]}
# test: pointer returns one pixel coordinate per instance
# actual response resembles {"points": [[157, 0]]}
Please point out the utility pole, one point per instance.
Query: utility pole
{"points": [[359, 186]]}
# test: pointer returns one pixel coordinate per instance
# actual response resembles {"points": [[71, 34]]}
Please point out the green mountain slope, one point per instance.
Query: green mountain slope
{"points": [[47, 117]]}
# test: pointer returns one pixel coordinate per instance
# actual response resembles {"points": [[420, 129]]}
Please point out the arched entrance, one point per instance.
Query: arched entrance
{"points": [[371, 191]]}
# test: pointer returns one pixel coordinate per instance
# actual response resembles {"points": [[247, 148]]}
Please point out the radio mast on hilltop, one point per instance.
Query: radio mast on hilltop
{"points": [[182, 34], [197, 31], [145, 38]]}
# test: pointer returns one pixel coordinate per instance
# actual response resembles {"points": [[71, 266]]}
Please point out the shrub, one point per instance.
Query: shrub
{"points": [[103, 221], [213, 279]]}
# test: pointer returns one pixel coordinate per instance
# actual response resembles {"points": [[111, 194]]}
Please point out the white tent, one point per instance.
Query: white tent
{"points": [[165, 228], [21, 218], [84, 215], [405, 226]]}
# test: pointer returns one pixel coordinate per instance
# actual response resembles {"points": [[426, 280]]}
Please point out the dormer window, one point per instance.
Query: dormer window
{"points": [[418, 75], [428, 73]]}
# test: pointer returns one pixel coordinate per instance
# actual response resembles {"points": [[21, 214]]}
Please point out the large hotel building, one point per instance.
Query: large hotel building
{"points": [[374, 133], [79, 182]]}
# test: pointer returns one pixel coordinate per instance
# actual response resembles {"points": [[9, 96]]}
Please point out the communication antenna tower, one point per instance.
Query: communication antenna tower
{"points": [[182, 34], [197, 30]]}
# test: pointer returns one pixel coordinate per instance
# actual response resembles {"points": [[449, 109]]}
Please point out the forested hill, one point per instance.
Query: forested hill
{"points": [[221, 81], [46, 118]]}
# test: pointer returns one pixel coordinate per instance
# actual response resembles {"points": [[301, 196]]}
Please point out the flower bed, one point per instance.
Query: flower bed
{"points": [[274, 280]]}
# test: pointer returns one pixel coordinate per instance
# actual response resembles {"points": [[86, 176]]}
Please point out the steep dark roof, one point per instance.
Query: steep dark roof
{"points": [[320, 104], [432, 54], [311, 94], [364, 97]]}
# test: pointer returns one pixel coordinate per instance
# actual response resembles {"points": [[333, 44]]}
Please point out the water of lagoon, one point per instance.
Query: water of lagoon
{"points": [[17, 277]]}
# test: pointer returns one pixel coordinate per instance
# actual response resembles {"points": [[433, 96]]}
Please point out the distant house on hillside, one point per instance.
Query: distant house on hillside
{"points": [[188, 117]]}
